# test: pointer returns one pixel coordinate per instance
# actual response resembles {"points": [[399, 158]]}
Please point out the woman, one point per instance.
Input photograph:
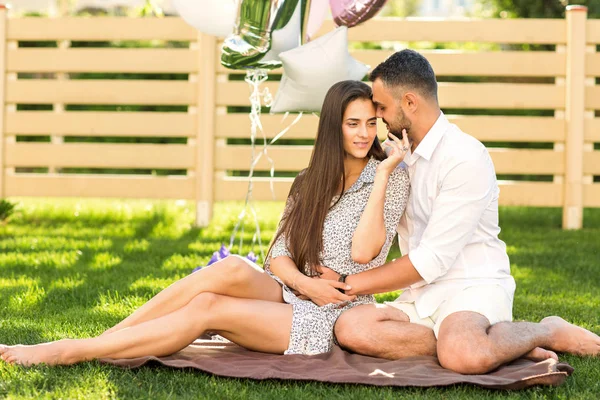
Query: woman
{"points": [[341, 212]]}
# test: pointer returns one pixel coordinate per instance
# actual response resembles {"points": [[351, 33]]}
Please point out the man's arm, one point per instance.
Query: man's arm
{"points": [[466, 191], [397, 274]]}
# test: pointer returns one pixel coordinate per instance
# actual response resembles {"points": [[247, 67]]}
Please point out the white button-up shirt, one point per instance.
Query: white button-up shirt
{"points": [[450, 227]]}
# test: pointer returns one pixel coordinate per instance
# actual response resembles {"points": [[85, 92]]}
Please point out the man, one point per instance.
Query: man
{"points": [[455, 269]]}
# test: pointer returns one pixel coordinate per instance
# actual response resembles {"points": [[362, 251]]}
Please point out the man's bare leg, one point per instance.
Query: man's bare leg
{"points": [[381, 331], [469, 345], [254, 324], [233, 276]]}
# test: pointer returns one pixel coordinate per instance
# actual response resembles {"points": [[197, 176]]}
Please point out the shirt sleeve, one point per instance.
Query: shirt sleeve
{"points": [[466, 191]]}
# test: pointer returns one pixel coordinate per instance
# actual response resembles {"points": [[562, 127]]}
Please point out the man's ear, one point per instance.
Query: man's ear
{"points": [[411, 101]]}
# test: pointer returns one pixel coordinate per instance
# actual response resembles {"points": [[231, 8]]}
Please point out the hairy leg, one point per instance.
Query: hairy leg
{"points": [[383, 331], [255, 324], [233, 276], [469, 345]]}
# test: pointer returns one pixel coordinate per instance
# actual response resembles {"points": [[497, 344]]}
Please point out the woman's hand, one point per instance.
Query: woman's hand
{"points": [[324, 291], [327, 273], [399, 148]]}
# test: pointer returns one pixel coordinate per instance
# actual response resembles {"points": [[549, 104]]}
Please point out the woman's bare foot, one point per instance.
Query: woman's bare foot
{"points": [[569, 338], [539, 354], [53, 353]]}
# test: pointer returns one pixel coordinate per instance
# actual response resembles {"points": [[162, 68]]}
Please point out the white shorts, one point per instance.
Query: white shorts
{"points": [[490, 300]]}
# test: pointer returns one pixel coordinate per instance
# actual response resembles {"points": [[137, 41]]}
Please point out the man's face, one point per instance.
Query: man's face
{"points": [[389, 109]]}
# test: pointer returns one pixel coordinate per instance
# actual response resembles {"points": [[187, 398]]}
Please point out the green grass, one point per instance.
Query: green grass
{"points": [[72, 269]]}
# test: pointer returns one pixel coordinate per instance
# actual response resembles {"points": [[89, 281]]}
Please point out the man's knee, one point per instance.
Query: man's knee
{"points": [[352, 329], [469, 360], [463, 345]]}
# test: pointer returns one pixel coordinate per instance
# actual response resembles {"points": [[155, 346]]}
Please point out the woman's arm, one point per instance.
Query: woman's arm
{"points": [[319, 291], [370, 234]]}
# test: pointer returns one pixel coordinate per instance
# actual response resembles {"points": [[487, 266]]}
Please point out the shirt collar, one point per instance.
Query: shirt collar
{"points": [[430, 141], [366, 176]]}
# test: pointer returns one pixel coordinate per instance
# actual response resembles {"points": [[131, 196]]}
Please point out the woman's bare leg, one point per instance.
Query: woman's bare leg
{"points": [[255, 324], [233, 276]]}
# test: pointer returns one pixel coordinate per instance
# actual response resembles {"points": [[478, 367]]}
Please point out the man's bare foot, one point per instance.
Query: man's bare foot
{"points": [[539, 354], [53, 353], [569, 338]]}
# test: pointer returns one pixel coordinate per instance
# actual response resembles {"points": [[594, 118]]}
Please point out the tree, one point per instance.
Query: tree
{"points": [[538, 8]]}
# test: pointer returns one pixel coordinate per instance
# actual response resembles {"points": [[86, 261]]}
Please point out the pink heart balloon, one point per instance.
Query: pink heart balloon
{"points": [[353, 12], [316, 15]]}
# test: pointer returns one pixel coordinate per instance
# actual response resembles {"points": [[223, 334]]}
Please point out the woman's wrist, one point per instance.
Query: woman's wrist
{"points": [[382, 174], [301, 282]]}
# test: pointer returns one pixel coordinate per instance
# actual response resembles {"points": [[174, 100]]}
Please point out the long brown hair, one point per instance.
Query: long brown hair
{"points": [[313, 189]]}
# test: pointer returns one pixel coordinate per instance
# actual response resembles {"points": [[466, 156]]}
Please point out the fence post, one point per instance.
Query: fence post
{"points": [[205, 129], [3, 23], [575, 114]]}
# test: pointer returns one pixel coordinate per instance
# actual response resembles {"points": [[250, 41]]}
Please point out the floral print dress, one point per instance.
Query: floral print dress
{"points": [[312, 326]]}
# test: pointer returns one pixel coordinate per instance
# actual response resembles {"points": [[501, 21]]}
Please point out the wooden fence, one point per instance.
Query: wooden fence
{"points": [[202, 121]]}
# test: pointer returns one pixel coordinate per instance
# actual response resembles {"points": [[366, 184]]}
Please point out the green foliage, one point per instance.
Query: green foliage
{"points": [[72, 269], [7, 209], [402, 8], [537, 8]]}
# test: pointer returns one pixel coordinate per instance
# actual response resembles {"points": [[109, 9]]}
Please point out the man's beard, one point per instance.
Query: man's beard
{"points": [[399, 125]]}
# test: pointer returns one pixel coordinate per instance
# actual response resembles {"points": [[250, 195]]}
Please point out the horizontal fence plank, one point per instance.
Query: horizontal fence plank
{"points": [[100, 29], [510, 128], [451, 95], [147, 92], [457, 63], [537, 194], [142, 187], [592, 64], [102, 60], [591, 163], [100, 155], [85, 123], [592, 97], [285, 158], [238, 126], [530, 30], [592, 130], [483, 127], [295, 158], [529, 162], [511, 193], [235, 189], [591, 195], [593, 31]]}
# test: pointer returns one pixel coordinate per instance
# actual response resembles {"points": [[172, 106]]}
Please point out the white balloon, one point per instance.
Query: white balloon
{"points": [[310, 70], [286, 38], [208, 16]]}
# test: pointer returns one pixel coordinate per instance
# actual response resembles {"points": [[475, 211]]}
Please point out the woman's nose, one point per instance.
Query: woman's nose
{"points": [[363, 132]]}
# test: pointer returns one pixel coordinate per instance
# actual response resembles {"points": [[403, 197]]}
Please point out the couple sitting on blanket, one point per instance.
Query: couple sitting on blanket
{"points": [[328, 257]]}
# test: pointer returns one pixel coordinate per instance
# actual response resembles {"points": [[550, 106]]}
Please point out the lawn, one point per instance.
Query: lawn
{"points": [[72, 269]]}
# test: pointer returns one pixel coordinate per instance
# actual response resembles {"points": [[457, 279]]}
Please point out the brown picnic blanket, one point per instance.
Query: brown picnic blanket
{"points": [[227, 359]]}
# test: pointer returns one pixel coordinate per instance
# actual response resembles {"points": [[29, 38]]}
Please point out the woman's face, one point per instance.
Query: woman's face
{"points": [[359, 127]]}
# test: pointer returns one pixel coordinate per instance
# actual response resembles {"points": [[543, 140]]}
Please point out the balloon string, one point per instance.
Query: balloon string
{"points": [[255, 78]]}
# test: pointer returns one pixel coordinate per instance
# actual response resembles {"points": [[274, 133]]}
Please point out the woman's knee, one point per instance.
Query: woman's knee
{"points": [[202, 302]]}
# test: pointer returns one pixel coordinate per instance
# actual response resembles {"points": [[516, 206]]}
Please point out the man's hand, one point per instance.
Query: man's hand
{"points": [[324, 291], [327, 273]]}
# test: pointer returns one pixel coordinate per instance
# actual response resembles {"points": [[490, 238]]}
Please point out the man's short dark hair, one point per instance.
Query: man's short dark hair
{"points": [[409, 70]]}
